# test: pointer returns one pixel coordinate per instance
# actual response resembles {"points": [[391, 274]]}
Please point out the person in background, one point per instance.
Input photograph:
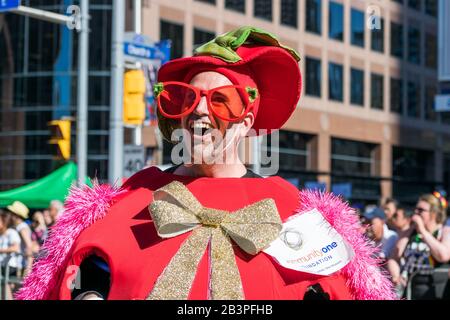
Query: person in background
{"points": [[9, 244], [446, 233], [401, 220], [47, 218], [390, 208], [55, 209], [422, 249], [38, 231], [379, 233], [19, 213]]}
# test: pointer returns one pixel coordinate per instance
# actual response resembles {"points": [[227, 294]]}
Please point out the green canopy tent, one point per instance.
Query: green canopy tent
{"points": [[39, 193]]}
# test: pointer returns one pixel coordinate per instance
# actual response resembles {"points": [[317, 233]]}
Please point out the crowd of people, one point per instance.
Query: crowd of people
{"points": [[414, 245], [22, 234]]}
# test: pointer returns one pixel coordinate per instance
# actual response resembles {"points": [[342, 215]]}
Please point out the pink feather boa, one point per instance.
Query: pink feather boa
{"points": [[364, 276], [82, 208], [85, 206]]}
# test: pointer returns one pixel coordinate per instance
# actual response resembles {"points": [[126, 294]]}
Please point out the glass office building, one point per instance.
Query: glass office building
{"points": [[38, 83]]}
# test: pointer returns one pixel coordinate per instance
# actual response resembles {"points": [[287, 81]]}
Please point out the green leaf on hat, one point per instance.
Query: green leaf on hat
{"points": [[157, 89], [224, 46]]}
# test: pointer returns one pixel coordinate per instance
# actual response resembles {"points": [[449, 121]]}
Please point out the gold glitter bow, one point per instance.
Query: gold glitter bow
{"points": [[175, 211]]}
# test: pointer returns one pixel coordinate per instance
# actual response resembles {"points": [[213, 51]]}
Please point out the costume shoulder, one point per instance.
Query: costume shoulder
{"points": [[363, 273], [82, 208]]}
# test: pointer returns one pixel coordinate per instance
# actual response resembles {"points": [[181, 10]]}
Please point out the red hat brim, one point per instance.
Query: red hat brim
{"points": [[275, 72]]}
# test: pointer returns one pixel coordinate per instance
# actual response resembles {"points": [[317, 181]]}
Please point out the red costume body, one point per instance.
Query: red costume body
{"points": [[126, 238]]}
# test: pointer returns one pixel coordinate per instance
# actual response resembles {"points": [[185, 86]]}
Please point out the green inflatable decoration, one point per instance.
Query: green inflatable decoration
{"points": [[39, 193]]}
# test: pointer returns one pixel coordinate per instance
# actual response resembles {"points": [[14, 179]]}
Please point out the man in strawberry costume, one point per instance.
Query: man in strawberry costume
{"points": [[210, 228]]}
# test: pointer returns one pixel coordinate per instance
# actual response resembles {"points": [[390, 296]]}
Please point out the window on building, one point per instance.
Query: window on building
{"points": [[98, 144], [357, 86], [99, 40], [447, 172], [313, 77], [174, 32], [357, 32], [352, 157], [335, 81], [97, 168], [396, 95], [32, 91], [99, 93], [354, 164], [415, 4], [35, 167], [235, 5], [412, 163], [397, 40], [37, 144], [17, 42], [293, 150], [431, 7], [413, 93], [37, 120], [430, 92], [289, 13], [377, 92], [431, 51], [263, 9], [208, 1], [202, 36], [314, 16], [411, 170], [42, 53], [445, 118], [378, 37], [336, 21], [98, 120], [414, 45]]}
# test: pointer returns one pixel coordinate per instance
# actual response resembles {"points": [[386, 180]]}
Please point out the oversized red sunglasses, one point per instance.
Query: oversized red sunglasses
{"points": [[229, 103]]}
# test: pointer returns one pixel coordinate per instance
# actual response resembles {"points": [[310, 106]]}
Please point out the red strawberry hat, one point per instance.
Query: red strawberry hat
{"points": [[248, 53]]}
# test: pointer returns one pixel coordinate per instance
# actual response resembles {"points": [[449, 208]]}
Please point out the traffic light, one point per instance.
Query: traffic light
{"points": [[133, 97], [60, 138]]}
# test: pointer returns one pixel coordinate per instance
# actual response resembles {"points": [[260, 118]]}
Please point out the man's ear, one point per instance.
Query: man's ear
{"points": [[248, 123]]}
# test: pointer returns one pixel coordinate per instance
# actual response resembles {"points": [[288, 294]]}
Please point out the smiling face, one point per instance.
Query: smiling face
{"points": [[209, 135]]}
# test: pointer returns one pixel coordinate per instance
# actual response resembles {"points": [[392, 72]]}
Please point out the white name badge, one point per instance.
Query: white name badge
{"points": [[308, 243]]}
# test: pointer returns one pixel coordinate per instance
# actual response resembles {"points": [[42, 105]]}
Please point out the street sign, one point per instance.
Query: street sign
{"points": [[316, 185], [343, 189], [7, 5], [133, 159], [143, 52], [444, 44], [139, 47], [442, 103]]}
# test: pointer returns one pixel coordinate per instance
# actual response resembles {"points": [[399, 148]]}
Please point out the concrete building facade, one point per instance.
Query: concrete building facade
{"points": [[369, 77]]}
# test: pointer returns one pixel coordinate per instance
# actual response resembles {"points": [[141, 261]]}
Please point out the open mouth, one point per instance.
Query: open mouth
{"points": [[200, 128]]}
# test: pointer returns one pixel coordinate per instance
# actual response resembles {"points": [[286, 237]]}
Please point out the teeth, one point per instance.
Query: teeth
{"points": [[201, 125]]}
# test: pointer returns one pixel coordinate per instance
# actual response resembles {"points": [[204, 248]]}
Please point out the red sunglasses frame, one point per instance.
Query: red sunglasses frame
{"points": [[199, 93]]}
